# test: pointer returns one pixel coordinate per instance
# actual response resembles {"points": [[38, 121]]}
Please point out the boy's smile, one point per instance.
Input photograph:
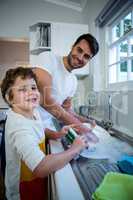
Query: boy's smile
{"points": [[26, 96]]}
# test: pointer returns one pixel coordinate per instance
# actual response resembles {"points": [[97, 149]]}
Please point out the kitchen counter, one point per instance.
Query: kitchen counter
{"points": [[80, 178]]}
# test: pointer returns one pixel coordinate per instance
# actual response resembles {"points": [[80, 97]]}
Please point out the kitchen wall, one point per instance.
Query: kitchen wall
{"points": [[16, 16], [114, 106], [13, 51]]}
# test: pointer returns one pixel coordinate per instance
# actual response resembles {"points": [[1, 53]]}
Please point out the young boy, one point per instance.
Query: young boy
{"points": [[26, 161]]}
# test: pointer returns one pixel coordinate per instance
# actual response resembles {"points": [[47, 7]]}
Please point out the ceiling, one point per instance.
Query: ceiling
{"points": [[73, 4]]}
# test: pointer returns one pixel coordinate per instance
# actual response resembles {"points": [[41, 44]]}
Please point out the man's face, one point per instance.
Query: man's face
{"points": [[79, 55]]}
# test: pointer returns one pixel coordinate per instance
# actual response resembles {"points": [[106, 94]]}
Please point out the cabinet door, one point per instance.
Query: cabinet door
{"points": [[63, 37]]}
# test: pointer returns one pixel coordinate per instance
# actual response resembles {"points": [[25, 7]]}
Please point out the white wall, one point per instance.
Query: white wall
{"points": [[91, 11], [17, 15]]}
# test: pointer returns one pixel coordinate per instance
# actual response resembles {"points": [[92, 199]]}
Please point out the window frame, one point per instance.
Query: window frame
{"points": [[109, 27]]}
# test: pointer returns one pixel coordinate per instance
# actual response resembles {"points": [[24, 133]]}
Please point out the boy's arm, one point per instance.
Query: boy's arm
{"points": [[42, 165], [50, 134], [54, 162]]}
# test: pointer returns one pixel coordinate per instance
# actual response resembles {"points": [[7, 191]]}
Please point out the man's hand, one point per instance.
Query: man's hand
{"points": [[67, 103], [92, 123], [82, 129], [91, 137], [87, 132]]}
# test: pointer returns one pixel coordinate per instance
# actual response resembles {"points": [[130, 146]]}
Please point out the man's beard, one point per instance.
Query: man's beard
{"points": [[72, 67]]}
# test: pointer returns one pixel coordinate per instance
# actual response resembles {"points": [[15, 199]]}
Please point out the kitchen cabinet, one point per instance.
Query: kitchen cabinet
{"points": [[40, 38], [55, 37]]}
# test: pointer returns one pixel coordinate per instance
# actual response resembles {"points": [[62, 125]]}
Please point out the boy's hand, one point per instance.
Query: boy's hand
{"points": [[80, 143], [64, 130]]}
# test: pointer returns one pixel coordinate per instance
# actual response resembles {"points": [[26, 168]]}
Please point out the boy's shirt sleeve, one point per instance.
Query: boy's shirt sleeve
{"points": [[27, 147]]}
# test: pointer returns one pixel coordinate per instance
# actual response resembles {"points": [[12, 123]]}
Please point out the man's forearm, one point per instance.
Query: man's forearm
{"points": [[79, 117], [61, 114]]}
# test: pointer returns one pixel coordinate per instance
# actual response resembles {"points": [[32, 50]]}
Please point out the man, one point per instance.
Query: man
{"points": [[58, 85]]}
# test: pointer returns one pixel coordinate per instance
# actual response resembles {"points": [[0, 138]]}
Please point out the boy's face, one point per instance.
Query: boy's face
{"points": [[26, 96]]}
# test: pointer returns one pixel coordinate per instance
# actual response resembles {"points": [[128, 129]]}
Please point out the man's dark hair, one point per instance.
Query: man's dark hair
{"points": [[94, 46], [10, 78]]}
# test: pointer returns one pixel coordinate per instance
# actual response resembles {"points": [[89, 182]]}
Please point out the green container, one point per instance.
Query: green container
{"points": [[71, 135]]}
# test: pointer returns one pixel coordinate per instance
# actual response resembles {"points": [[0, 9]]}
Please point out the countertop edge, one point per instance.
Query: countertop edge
{"points": [[66, 183]]}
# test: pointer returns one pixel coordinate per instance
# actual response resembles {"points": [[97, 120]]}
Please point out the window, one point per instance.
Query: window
{"points": [[120, 63]]}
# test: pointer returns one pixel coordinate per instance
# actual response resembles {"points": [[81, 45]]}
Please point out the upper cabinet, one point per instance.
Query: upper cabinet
{"points": [[56, 37], [40, 38]]}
